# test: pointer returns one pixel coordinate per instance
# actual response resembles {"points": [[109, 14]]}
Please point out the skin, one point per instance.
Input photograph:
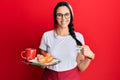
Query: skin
{"points": [[82, 62], [63, 22], [63, 30]]}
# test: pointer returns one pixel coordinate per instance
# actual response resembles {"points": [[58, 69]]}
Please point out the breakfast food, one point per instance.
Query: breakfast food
{"points": [[45, 58]]}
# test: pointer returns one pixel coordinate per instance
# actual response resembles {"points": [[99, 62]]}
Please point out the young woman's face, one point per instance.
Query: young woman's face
{"points": [[63, 16]]}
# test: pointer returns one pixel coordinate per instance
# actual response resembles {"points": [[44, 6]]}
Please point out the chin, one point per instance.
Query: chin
{"points": [[64, 26]]}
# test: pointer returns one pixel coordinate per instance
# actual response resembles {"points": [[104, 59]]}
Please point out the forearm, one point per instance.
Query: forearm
{"points": [[83, 65]]}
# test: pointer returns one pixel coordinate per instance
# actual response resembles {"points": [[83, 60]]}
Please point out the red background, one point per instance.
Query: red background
{"points": [[23, 22]]}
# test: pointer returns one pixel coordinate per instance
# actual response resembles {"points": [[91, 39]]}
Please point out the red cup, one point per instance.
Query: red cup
{"points": [[28, 54]]}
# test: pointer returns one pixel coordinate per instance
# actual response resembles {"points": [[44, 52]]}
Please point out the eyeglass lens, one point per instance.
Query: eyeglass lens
{"points": [[60, 15]]}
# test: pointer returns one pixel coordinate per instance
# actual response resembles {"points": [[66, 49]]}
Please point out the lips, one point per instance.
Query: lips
{"points": [[63, 22]]}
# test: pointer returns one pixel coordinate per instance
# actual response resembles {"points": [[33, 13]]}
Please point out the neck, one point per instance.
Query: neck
{"points": [[62, 31]]}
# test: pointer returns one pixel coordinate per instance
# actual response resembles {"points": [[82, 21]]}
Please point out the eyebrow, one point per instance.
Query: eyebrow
{"points": [[61, 13]]}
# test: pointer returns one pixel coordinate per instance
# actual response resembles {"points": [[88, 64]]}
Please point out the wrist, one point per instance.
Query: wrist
{"points": [[91, 57]]}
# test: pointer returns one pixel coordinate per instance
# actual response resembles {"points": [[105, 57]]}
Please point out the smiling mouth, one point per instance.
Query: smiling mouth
{"points": [[63, 22]]}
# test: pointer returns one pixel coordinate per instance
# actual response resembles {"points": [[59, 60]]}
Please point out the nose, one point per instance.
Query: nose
{"points": [[63, 17]]}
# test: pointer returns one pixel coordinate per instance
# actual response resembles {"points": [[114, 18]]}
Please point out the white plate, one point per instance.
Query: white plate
{"points": [[35, 62]]}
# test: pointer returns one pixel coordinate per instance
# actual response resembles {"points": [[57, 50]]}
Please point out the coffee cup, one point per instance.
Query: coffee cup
{"points": [[28, 54]]}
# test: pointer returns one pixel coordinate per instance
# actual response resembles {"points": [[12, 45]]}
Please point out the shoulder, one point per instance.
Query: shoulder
{"points": [[80, 37], [78, 34], [48, 33]]}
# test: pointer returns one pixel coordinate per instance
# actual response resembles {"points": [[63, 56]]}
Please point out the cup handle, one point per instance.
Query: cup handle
{"points": [[23, 52]]}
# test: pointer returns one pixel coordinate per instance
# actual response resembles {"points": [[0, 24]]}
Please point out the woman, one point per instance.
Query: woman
{"points": [[65, 44]]}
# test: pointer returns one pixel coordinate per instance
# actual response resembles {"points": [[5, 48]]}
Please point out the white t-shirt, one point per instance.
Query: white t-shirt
{"points": [[63, 48]]}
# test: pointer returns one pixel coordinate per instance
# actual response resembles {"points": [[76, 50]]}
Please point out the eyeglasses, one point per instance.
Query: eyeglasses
{"points": [[60, 15]]}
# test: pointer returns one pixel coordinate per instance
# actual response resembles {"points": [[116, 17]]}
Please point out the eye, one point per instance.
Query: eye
{"points": [[67, 14], [59, 14]]}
